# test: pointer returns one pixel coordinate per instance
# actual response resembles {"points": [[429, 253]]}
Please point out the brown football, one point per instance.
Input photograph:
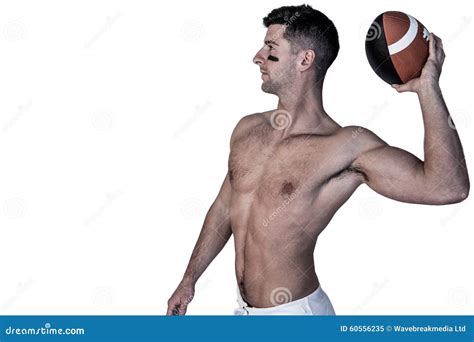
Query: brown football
{"points": [[397, 47]]}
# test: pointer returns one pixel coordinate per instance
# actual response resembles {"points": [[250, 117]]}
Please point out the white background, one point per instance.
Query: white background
{"points": [[115, 120]]}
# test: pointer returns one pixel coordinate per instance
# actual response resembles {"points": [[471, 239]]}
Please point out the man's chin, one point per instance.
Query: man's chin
{"points": [[267, 88]]}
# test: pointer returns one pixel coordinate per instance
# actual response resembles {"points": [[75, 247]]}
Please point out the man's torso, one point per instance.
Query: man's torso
{"points": [[284, 193]]}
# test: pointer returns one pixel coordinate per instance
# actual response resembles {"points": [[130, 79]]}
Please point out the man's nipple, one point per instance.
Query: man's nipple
{"points": [[287, 189]]}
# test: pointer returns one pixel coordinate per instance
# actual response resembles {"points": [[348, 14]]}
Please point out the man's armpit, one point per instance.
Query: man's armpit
{"points": [[359, 172], [349, 171]]}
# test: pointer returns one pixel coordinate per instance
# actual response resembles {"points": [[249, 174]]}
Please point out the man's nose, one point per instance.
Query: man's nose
{"points": [[259, 58]]}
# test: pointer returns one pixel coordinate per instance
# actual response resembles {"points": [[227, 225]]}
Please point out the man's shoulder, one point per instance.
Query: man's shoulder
{"points": [[249, 119], [246, 123], [357, 140], [361, 138], [360, 142]]}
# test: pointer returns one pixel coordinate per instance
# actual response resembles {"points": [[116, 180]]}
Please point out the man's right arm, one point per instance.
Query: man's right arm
{"points": [[215, 233]]}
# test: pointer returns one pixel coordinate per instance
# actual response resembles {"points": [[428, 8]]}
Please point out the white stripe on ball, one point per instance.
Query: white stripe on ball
{"points": [[407, 39]]}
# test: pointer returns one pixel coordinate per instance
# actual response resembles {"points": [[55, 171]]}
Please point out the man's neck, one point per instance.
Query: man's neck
{"points": [[306, 112]]}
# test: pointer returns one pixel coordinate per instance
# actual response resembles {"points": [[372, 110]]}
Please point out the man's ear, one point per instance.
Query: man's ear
{"points": [[306, 59]]}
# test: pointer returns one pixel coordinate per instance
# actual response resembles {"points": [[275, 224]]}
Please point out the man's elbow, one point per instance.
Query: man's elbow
{"points": [[458, 193]]}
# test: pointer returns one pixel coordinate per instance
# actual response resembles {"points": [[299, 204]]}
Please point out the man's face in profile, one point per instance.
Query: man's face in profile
{"points": [[276, 61]]}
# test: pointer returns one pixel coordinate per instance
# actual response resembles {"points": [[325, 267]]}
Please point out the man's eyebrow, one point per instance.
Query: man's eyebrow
{"points": [[268, 42]]}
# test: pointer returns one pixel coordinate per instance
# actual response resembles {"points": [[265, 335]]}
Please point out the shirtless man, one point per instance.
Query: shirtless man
{"points": [[292, 168]]}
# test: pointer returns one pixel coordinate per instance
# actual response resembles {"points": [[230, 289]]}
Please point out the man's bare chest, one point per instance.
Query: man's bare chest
{"points": [[278, 170]]}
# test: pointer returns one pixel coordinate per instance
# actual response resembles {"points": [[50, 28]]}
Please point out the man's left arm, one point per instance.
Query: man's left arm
{"points": [[442, 177]]}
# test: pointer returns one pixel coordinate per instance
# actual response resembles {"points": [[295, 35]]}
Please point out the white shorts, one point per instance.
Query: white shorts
{"points": [[316, 303]]}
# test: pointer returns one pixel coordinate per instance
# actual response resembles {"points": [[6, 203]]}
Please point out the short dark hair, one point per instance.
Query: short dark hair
{"points": [[307, 28]]}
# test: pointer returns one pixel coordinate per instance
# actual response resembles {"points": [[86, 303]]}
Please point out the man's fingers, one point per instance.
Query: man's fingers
{"points": [[178, 309], [440, 48], [183, 309], [177, 304], [173, 308], [435, 47], [169, 312], [432, 46], [439, 43], [439, 55], [175, 311]]}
